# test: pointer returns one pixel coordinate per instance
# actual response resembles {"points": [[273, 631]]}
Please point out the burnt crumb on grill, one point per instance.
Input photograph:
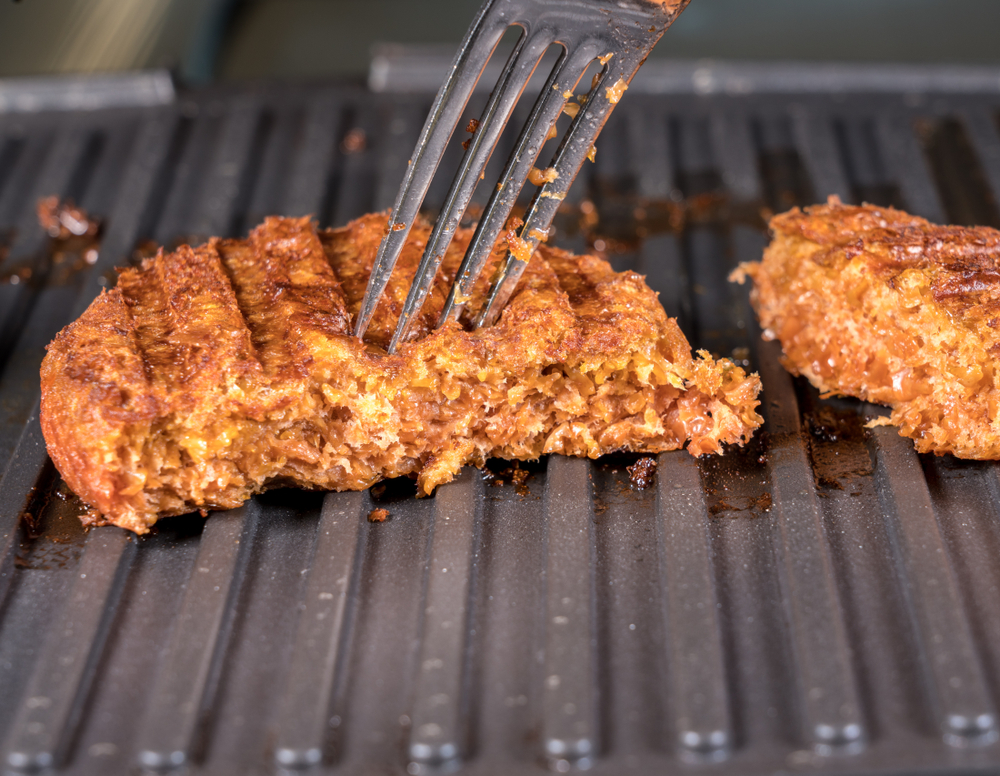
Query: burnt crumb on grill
{"points": [[354, 142], [75, 238], [63, 219], [73, 247], [512, 475], [378, 515], [642, 473]]}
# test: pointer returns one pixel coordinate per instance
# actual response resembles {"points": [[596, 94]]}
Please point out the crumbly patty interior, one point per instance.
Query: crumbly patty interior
{"points": [[875, 303], [213, 373]]}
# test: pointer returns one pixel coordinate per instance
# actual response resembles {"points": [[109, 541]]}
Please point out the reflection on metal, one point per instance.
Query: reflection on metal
{"points": [[86, 92]]}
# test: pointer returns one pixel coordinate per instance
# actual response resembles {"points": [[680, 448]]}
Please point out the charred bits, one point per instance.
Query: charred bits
{"points": [[642, 474], [513, 475], [75, 238]]}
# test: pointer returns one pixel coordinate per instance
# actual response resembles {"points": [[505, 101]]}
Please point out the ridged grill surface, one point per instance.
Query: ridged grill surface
{"points": [[822, 600]]}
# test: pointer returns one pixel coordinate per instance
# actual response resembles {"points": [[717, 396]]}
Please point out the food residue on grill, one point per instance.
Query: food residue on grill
{"points": [[642, 473], [63, 219], [73, 247], [837, 448], [738, 486], [513, 475], [378, 515], [617, 221], [354, 142], [755, 506]]}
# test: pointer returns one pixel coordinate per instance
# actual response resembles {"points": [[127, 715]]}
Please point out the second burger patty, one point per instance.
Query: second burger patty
{"points": [[875, 303]]}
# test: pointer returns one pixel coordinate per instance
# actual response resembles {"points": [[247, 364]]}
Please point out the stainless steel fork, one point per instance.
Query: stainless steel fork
{"points": [[617, 33]]}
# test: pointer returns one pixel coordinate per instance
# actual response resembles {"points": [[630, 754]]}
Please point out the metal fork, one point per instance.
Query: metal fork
{"points": [[617, 33]]}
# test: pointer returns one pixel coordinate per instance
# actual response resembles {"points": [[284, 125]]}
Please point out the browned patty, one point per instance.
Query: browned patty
{"points": [[875, 303], [213, 373]]}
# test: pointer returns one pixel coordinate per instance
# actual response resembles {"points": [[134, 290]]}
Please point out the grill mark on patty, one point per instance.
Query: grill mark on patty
{"points": [[145, 301], [188, 326], [354, 266], [288, 293]]}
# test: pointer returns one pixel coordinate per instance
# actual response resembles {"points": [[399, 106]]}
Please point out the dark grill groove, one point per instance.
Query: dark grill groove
{"points": [[957, 173], [755, 613]]}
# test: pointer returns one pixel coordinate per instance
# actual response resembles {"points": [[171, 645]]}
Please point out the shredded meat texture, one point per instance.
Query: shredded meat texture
{"points": [[215, 372], [875, 303]]}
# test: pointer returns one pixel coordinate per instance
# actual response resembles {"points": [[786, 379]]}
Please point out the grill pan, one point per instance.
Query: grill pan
{"points": [[823, 600]]}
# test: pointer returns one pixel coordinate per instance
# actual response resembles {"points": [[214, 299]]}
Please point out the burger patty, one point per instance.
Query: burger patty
{"points": [[875, 303], [215, 372]]}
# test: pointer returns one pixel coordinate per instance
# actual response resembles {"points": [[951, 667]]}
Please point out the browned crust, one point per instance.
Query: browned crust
{"points": [[875, 303], [212, 373]]}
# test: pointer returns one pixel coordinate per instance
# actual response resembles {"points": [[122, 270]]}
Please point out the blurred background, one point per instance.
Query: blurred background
{"points": [[212, 40]]}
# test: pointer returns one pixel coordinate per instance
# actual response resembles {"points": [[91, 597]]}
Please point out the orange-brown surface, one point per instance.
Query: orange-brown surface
{"points": [[875, 303], [213, 373]]}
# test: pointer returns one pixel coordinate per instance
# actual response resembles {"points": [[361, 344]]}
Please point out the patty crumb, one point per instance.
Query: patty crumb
{"points": [[378, 515], [642, 472]]}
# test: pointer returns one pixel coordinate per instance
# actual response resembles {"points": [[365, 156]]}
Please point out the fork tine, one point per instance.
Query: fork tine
{"points": [[478, 46], [519, 68], [564, 77], [569, 157]]}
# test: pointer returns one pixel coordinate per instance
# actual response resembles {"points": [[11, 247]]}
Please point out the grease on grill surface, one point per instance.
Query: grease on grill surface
{"points": [[755, 506], [736, 485], [53, 532], [837, 448], [616, 220]]}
